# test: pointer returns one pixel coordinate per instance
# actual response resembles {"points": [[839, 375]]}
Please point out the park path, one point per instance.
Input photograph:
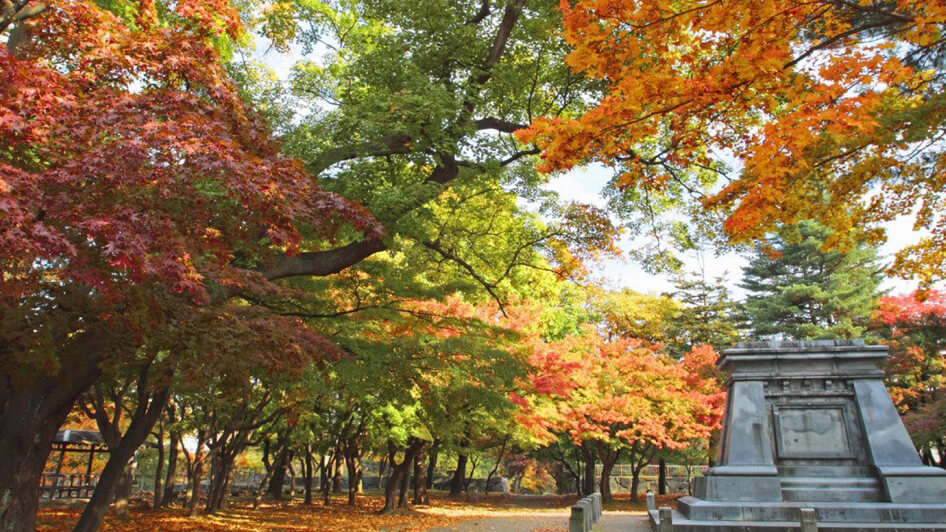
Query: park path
{"points": [[547, 521]]}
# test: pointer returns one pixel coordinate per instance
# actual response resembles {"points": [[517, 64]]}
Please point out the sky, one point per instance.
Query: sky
{"points": [[586, 184]]}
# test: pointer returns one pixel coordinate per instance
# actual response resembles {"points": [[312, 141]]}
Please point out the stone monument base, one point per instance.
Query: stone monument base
{"points": [[810, 441], [696, 515]]}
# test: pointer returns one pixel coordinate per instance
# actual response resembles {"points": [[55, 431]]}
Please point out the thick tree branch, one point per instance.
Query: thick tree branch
{"points": [[320, 263], [498, 124], [510, 17], [391, 145]]}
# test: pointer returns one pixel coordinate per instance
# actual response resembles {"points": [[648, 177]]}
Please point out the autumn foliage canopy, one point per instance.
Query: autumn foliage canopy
{"points": [[823, 110], [130, 158]]}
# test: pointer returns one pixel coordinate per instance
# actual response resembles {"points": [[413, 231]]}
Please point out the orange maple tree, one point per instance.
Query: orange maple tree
{"points": [[830, 110], [628, 399]]}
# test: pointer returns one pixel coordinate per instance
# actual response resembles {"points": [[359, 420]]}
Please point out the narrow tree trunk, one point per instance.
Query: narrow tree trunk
{"points": [[637, 466], [337, 477], [292, 479], [308, 475], [220, 478], [605, 481], [499, 460], [588, 482], [158, 469], [170, 480], [353, 464], [261, 490], [396, 489], [196, 476], [662, 477], [326, 481], [432, 466]]}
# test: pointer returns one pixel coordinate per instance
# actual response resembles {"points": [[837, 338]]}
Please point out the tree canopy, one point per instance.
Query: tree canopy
{"points": [[771, 112]]}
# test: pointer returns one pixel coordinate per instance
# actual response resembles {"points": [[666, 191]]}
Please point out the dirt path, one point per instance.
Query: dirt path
{"points": [[527, 514]]}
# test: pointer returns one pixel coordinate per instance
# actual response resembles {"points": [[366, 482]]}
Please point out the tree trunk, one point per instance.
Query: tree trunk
{"points": [[405, 482], [398, 473], [221, 469], [420, 477], [459, 474], [196, 475], [662, 477], [122, 491], [146, 415], [308, 475], [169, 482], [391, 490], [608, 458], [432, 466], [499, 460], [158, 469], [605, 481], [261, 490], [587, 486], [326, 486], [31, 411], [196, 478], [353, 464], [277, 479], [637, 466], [170, 479], [337, 476]]}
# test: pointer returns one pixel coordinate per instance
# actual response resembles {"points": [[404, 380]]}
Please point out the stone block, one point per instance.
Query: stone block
{"points": [[739, 488], [666, 519], [577, 522], [918, 489], [807, 519]]}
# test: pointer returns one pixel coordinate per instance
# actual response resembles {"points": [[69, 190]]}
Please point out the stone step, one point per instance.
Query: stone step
{"points": [[830, 489], [831, 495], [829, 482], [683, 524], [825, 471], [826, 511]]}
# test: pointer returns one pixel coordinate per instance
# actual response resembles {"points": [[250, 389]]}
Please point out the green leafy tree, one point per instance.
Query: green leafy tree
{"points": [[798, 290]]}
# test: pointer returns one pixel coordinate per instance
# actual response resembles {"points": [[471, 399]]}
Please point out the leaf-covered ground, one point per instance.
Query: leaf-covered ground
{"points": [[443, 513]]}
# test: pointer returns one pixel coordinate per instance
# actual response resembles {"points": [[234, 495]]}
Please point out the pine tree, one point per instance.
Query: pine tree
{"points": [[706, 314], [796, 290]]}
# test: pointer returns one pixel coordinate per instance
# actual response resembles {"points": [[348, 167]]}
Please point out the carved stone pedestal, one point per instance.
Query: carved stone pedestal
{"points": [[810, 425]]}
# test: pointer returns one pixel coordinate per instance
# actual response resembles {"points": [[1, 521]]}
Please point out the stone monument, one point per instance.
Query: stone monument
{"points": [[809, 426]]}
